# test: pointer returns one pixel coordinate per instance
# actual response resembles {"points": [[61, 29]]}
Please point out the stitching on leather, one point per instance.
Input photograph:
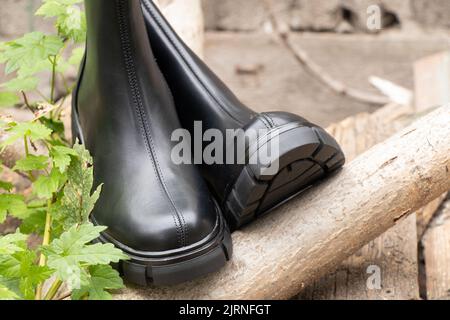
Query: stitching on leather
{"points": [[270, 119], [189, 65], [137, 99], [172, 99], [263, 119]]}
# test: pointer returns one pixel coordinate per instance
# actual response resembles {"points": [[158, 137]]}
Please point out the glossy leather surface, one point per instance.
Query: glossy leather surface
{"points": [[201, 96], [127, 116]]}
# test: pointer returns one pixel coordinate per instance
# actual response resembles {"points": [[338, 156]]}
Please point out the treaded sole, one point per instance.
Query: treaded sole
{"points": [[307, 155], [176, 270]]}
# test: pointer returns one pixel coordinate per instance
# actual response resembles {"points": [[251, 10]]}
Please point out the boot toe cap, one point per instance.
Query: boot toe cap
{"points": [[156, 229]]}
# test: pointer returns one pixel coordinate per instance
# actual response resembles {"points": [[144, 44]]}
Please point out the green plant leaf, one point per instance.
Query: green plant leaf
{"points": [[78, 202], [13, 204], [70, 19], [8, 99], [21, 265], [35, 131], [98, 253], [12, 243], [73, 24], [50, 8], [6, 294], [34, 222], [31, 163], [57, 126], [45, 186], [5, 185], [21, 84], [54, 8], [71, 249], [10, 266], [62, 157], [10, 289], [100, 279], [29, 55]]}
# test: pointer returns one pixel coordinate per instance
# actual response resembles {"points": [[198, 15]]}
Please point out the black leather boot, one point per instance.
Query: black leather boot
{"points": [[159, 213], [306, 152]]}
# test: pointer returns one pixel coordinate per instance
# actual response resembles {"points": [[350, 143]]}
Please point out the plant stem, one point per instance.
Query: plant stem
{"points": [[25, 99], [45, 241], [27, 153], [53, 289], [25, 142], [47, 230], [53, 80], [66, 86]]}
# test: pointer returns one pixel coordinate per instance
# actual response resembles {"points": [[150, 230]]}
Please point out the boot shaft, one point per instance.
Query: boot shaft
{"points": [[115, 28]]}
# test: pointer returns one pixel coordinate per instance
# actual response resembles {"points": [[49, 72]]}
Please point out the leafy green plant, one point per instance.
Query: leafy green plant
{"points": [[58, 207]]}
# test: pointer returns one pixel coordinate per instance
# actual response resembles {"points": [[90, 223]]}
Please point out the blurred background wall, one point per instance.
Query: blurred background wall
{"points": [[326, 15], [239, 45], [17, 17]]}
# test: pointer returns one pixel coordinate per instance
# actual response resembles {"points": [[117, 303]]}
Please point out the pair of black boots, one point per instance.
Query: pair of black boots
{"points": [[137, 81]]}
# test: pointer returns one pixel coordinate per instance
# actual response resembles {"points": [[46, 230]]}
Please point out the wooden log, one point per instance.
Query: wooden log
{"points": [[432, 88], [393, 254], [310, 236], [436, 243]]}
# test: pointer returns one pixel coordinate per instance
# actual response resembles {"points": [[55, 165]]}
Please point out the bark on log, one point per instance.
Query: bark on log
{"points": [[282, 253]]}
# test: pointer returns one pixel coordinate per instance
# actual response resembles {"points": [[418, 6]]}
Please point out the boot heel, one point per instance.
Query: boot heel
{"points": [[306, 155]]}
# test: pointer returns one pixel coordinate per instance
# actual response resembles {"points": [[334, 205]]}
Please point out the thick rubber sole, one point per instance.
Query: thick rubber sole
{"points": [[171, 267], [307, 155]]}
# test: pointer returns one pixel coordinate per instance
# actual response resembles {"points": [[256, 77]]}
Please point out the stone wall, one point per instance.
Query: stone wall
{"points": [[327, 15]]}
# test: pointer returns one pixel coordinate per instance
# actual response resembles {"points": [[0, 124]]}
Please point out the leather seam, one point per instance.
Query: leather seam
{"points": [[172, 99], [269, 118], [137, 100], [189, 65], [264, 121], [218, 226]]}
